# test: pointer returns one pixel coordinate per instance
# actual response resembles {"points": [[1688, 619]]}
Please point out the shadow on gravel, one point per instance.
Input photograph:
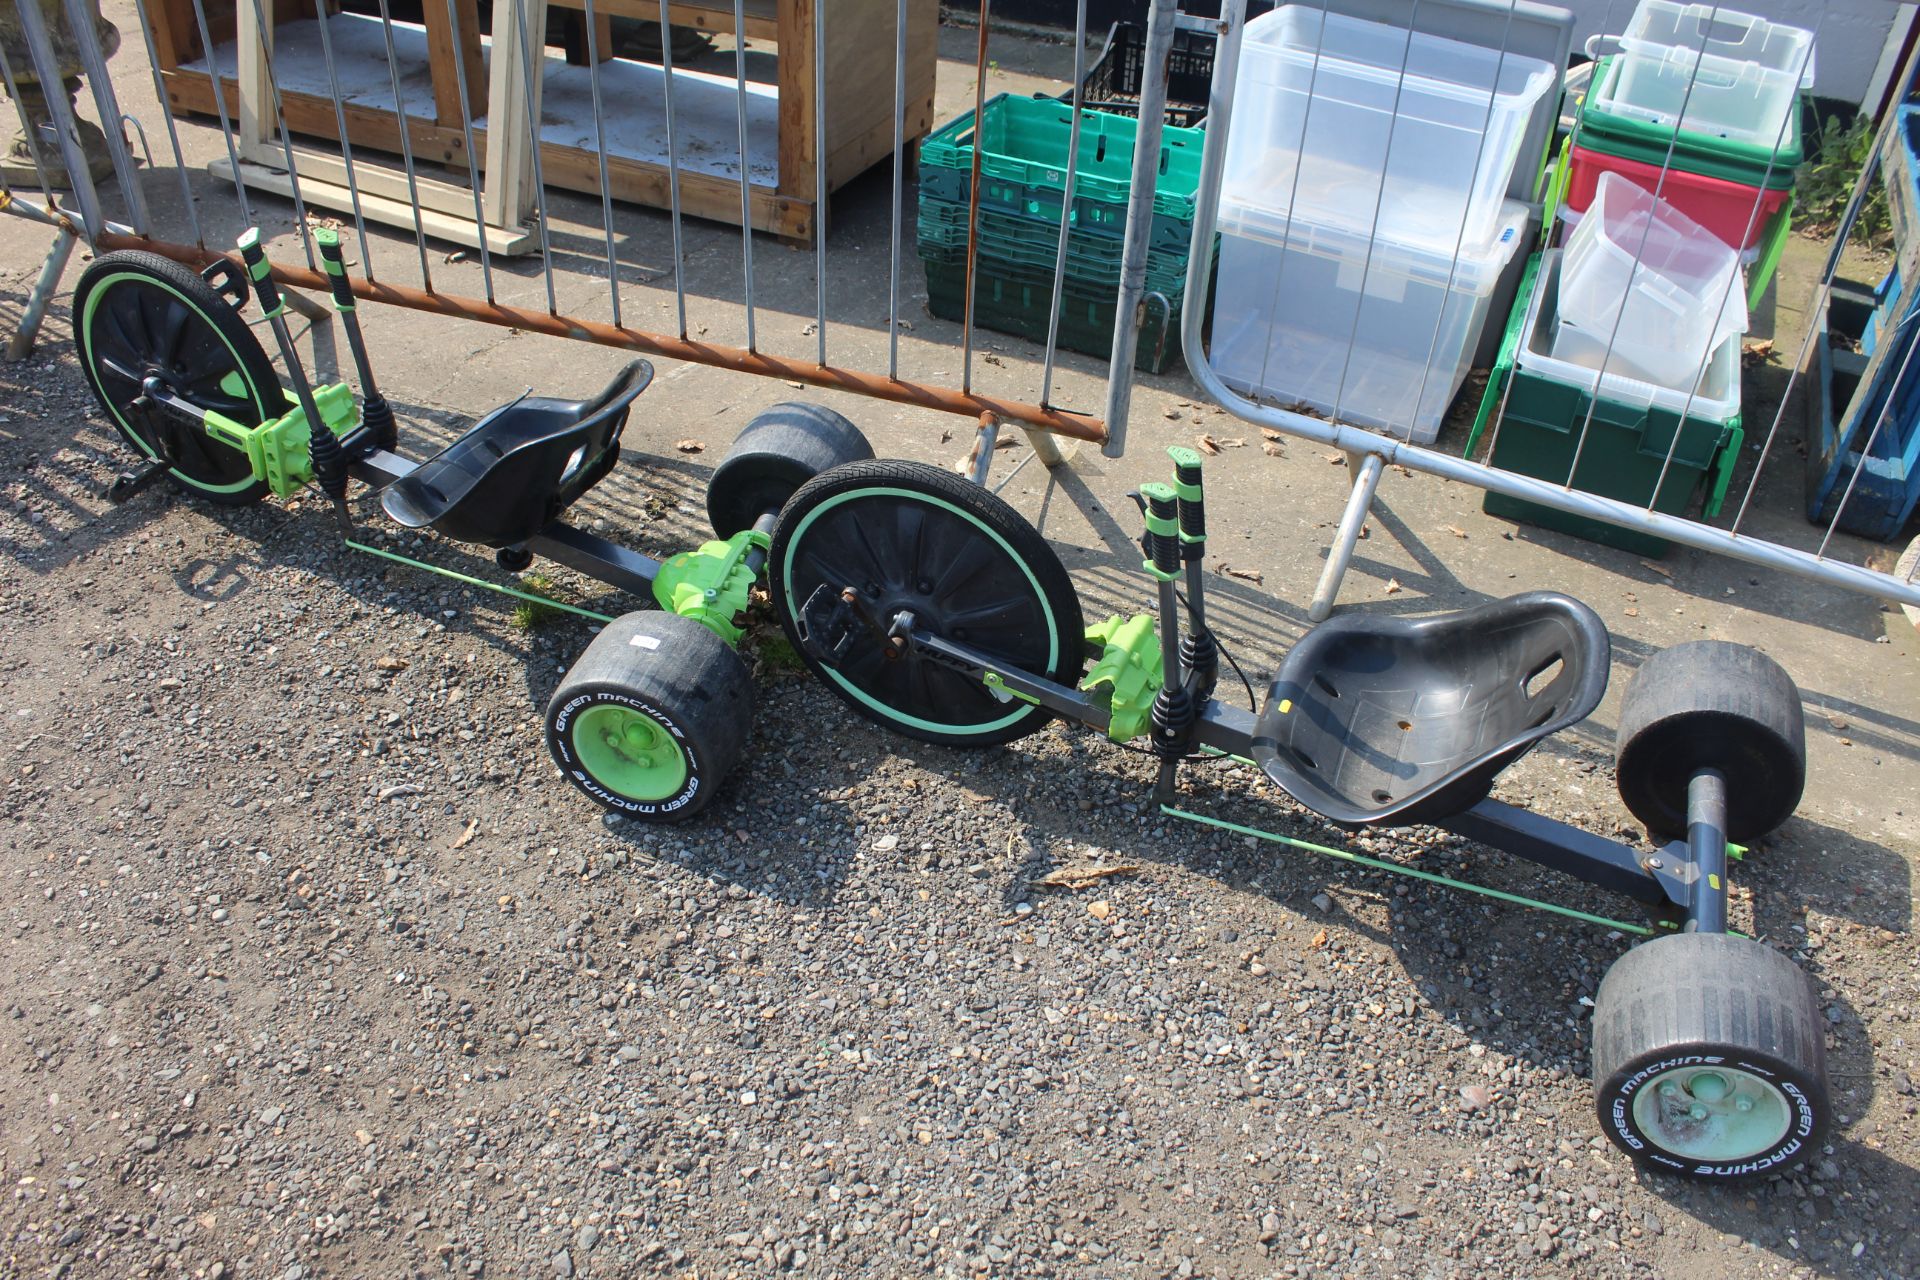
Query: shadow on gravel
{"points": [[1840, 874]]}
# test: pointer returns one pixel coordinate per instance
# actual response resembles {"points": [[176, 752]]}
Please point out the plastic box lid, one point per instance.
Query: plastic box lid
{"points": [[1476, 269]]}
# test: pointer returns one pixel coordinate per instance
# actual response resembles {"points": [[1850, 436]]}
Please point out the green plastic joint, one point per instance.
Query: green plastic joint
{"points": [[257, 267], [280, 451], [996, 682], [713, 583], [1128, 670], [1164, 526]]}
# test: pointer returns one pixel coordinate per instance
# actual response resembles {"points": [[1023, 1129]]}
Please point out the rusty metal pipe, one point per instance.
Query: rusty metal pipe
{"points": [[1078, 426]]}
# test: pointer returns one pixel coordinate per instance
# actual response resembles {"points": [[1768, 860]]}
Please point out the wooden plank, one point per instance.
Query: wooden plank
{"points": [[396, 213], [176, 39], [443, 45], [311, 114], [452, 199], [256, 121], [715, 17], [860, 81], [794, 71], [508, 186], [702, 195]]}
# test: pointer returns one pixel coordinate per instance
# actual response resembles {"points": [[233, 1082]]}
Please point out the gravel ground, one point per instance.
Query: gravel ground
{"points": [[315, 968]]}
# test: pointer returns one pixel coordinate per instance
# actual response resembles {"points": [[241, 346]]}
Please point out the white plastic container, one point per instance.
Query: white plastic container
{"points": [[1746, 72], [1663, 311], [1716, 396], [1379, 336], [1326, 104]]}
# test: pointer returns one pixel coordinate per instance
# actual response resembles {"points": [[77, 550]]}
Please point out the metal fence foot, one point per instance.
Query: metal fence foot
{"points": [[21, 344], [1365, 480]]}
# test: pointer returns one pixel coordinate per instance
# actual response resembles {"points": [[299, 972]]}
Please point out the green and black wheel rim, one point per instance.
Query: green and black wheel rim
{"points": [[907, 536], [139, 316], [629, 752]]}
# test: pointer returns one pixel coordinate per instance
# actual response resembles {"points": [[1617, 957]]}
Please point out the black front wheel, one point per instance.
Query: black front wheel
{"points": [[1709, 1059], [138, 316], [909, 537]]}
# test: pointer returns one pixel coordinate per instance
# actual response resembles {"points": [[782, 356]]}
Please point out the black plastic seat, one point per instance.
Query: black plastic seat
{"points": [[519, 467], [1377, 721]]}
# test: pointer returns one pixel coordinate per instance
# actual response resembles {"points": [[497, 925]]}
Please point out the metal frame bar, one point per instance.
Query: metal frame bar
{"points": [[879, 386]]}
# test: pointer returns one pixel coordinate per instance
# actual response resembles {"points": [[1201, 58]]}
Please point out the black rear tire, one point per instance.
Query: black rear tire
{"points": [[652, 718], [780, 450], [136, 312], [909, 536], [1709, 1060], [1710, 704]]}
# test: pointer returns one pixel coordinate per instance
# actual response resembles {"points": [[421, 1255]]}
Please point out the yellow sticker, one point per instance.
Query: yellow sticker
{"points": [[1714, 881], [1286, 705]]}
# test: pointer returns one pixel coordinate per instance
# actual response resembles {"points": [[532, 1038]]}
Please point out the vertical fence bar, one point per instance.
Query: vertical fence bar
{"points": [[1141, 192], [600, 147], [1460, 236], [280, 121], [899, 180], [29, 132], [473, 157], [406, 146], [173, 131], [673, 169], [346, 143], [220, 111], [746, 184], [533, 63], [820, 177], [46, 69], [1639, 251], [1373, 231], [973, 199], [86, 40], [1066, 199], [1823, 291]]}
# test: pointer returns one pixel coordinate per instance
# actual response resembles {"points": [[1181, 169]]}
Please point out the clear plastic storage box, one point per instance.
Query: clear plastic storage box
{"points": [[1327, 105], [1746, 72], [1375, 333], [1658, 285]]}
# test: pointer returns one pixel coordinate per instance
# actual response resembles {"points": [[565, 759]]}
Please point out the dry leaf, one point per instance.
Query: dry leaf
{"points": [[1755, 352], [1245, 575], [1660, 569], [1319, 939], [690, 446], [991, 358], [1272, 450], [1208, 445], [1393, 585], [1172, 415], [1006, 442], [1337, 459], [1272, 433], [1233, 442], [1084, 877], [1632, 612], [466, 837], [390, 664], [796, 385], [1456, 531], [1100, 910]]}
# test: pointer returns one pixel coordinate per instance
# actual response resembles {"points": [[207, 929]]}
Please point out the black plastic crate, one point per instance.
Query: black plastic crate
{"points": [[1113, 82]]}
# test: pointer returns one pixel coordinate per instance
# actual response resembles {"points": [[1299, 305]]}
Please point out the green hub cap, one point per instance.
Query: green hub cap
{"points": [[1712, 1113], [629, 752]]}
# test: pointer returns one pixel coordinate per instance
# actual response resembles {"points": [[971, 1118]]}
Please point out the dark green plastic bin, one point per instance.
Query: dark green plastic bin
{"points": [[1011, 298]]}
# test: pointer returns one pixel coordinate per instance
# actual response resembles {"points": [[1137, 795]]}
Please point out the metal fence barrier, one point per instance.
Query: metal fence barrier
{"points": [[502, 209]]}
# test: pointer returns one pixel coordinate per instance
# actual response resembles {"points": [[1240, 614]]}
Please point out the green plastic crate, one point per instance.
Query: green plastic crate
{"points": [[1091, 260], [1702, 153], [1625, 451], [1023, 167], [1011, 298]]}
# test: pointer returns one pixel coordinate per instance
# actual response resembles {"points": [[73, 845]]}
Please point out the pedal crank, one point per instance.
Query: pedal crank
{"points": [[129, 484]]}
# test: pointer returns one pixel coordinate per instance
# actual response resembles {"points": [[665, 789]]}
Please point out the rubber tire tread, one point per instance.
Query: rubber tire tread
{"points": [[989, 508], [1711, 704], [784, 446], [1685, 991], [691, 677], [256, 367]]}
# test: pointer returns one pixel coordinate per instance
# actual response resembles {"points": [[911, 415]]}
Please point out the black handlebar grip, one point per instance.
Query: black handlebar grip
{"points": [[333, 261], [260, 272], [1165, 509]]}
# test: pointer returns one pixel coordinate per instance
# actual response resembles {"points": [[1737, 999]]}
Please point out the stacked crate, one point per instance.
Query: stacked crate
{"points": [[1023, 171]]}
